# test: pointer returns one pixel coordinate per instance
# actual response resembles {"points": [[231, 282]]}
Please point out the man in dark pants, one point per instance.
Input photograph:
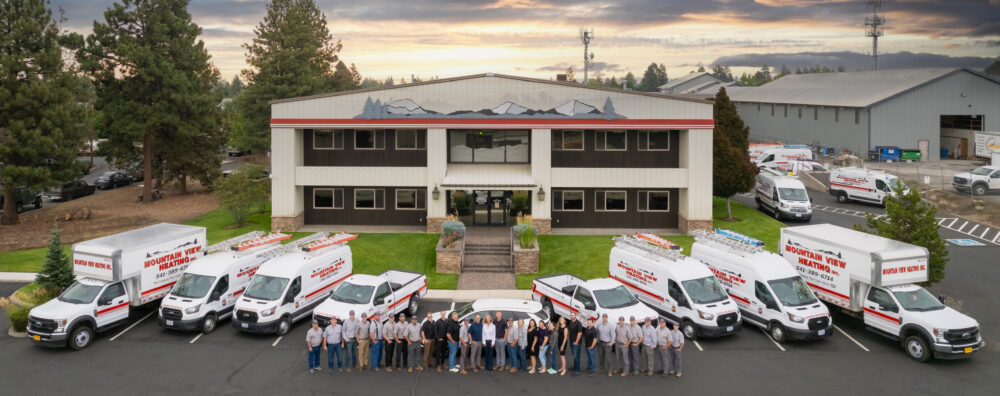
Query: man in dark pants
{"points": [[389, 341], [501, 349], [635, 341], [427, 333], [402, 352], [590, 341], [441, 342], [575, 335]]}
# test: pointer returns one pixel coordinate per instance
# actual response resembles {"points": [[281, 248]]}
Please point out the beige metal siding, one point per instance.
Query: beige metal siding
{"points": [[286, 154], [696, 157], [826, 131]]}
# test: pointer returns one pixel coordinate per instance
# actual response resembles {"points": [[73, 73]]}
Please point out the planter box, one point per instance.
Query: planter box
{"points": [[449, 260], [525, 260]]}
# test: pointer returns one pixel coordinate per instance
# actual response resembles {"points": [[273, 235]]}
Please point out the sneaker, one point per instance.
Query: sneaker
{"points": [[330, 370], [453, 369], [464, 372], [312, 371], [551, 371], [649, 373], [678, 375], [672, 372], [376, 369], [665, 375], [624, 374], [388, 369], [439, 369], [342, 369], [532, 371], [610, 373], [420, 368], [590, 374]]}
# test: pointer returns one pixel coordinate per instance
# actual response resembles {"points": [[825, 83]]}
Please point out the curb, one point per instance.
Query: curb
{"points": [[470, 295], [17, 277], [12, 333]]}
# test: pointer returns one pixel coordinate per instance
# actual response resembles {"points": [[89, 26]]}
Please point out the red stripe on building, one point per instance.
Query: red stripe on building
{"points": [[158, 288], [848, 186], [828, 291], [882, 315], [498, 122], [743, 300], [651, 294], [327, 286], [106, 310]]}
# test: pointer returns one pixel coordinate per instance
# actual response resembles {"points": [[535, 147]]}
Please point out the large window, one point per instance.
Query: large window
{"points": [[369, 139], [610, 201], [567, 200], [369, 198], [328, 198], [567, 140], [654, 201], [654, 140], [326, 139], [408, 139], [410, 199], [610, 141], [491, 146]]}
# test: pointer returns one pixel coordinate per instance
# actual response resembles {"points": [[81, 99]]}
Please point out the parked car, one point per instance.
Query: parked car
{"points": [[23, 196], [70, 190], [563, 294], [511, 308], [388, 294], [112, 179], [980, 180]]}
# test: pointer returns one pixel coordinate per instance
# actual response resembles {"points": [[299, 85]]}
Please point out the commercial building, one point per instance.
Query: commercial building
{"points": [[489, 147], [695, 83], [921, 109]]}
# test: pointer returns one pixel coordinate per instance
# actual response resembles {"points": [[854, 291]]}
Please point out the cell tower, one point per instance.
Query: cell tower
{"points": [[874, 29], [585, 36]]}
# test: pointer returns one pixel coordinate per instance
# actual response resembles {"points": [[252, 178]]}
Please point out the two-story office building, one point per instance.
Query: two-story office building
{"points": [[488, 147]]}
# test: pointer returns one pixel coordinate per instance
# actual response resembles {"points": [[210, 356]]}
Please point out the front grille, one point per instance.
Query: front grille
{"points": [[728, 319], [819, 323], [798, 209], [38, 324], [960, 180], [172, 314], [962, 336], [246, 316]]}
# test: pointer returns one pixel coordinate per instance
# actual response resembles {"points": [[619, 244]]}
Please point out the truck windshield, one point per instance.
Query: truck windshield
{"points": [[792, 291], [793, 194], [614, 298], [918, 300], [264, 287], [982, 171], [354, 294], [79, 293], [705, 290], [193, 286]]}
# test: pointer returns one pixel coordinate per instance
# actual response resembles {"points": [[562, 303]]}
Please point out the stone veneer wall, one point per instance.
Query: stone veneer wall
{"points": [[434, 224], [287, 224], [449, 261], [686, 226], [544, 226]]}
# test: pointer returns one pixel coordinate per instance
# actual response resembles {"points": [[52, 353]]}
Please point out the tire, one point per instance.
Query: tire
{"points": [[18, 207], [38, 203], [547, 307], [842, 197], [284, 326], [979, 189], [81, 337], [777, 332], [690, 332], [777, 213], [759, 206], [209, 324], [411, 310], [916, 348]]}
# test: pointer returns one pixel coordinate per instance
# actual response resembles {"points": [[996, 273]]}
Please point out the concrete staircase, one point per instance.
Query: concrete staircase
{"points": [[487, 262], [487, 257]]}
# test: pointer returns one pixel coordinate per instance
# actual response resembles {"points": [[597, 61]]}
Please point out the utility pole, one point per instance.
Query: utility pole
{"points": [[874, 29], [585, 36]]}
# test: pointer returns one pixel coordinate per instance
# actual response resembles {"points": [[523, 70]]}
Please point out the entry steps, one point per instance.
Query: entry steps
{"points": [[487, 257]]}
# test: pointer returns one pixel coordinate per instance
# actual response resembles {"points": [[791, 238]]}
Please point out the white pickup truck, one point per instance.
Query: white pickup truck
{"points": [[561, 294], [388, 293]]}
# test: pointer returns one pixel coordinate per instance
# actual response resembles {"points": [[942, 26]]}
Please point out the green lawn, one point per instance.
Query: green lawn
{"points": [[24, 260]]}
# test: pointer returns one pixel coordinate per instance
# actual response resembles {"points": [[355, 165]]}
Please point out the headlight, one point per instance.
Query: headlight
{"points": [[939, 335], [62, 325], [193, 309], [705, 315], [796, 319], [268, 312]]}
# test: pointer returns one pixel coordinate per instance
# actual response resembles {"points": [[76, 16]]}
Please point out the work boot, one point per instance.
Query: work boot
{"points": [[624, 373], [388, 369], [610, 373], [439, 369], [409, 370], [464, 372]]}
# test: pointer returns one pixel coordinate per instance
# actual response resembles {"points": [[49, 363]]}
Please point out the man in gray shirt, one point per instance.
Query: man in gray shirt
{"points": [[621, 345], [413, 344], [389, 341], [522, 344], [350, 334], [635, 339], [663, 342], [333, 343], [399, 360], [314, 340], [677, 344], [649, 345], [463, 346], [364, 343], [606, 343]]}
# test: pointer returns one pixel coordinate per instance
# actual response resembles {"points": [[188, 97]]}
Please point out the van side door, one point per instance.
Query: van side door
{"points": [[583, 302], [382, 299], [881, 189], [112, 305], [882, 311], [220, 298]]}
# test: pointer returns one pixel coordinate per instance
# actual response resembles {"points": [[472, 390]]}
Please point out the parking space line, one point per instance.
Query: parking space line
{"points": [[196, 338], [772, 340], [983, 235], [276, 342], [130, 327], [959, 229], [941, 221], [996, 237], [953, 221], [850, 338], [698, 345], [974, 227]]}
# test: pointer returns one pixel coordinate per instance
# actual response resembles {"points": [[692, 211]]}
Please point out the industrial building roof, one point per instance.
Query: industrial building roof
{"points": [[846, 89]]}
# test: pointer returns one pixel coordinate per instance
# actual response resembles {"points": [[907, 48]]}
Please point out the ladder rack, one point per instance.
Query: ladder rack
{"points": [[268, 239], [647, 246], [292, 246], [227, 244], [333, 240], [730, 239]]}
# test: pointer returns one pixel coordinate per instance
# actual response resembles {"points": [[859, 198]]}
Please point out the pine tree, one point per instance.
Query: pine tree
{"points": [[993, 68], [56, 273], [345, 78], [653, 78], [909, 219], [630, 82], [732, 171], [42, 122], [292, 54]]}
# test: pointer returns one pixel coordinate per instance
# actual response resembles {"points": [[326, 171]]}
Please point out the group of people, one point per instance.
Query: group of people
{"points": [[496, 343]]}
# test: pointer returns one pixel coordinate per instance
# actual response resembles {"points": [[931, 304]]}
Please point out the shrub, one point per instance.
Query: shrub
{"points": [[520, 228], [527, 238], [56, 273], [19, 318], [450, 240], [453, 227], [239, 195]]}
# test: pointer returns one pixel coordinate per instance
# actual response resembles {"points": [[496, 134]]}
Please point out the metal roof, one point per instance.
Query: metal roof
{"points": [[847, 89]]}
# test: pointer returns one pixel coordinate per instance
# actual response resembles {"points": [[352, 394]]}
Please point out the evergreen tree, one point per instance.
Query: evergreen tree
{"points": [[345, 78], [701, 69], [235, 87], [653, 78], [42, 103], [292, 54], [994, 68], [909, 219], [630, 82], [56, 273], [784, 71], [732, 171]]}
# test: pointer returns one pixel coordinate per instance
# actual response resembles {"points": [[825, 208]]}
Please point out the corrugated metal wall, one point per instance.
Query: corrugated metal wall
{"points": [[827, 130]]}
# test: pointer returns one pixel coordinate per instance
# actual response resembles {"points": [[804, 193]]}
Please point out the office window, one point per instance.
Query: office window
{"points": [[369, 139], [493, 146], [328, 198], [610, 201], [567, 140], [410, 199], [654, 140], [326, 139], [654, 201], [567, 200], [836, 115], [610, 141], [408, 139], [369, 198]]}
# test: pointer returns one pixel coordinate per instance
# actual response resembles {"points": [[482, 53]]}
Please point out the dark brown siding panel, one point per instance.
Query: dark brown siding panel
{"points": [[631, 218], [630, 158], [351, 216], [348, 156]]}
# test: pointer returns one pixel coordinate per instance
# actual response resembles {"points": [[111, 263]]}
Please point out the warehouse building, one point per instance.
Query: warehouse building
{"points": [[919, 109], [695, 83], [488, 147]]}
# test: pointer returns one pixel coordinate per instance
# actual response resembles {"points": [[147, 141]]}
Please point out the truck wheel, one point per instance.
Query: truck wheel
{"points": [[777, 213], [18, 207], [81, 337], [38, 203], [979, 189], [547, 307], [690, 332], [842, 197], [284, 325], [414, 304], [777, 332], [916, 348], [208, 324], [759, 206]]}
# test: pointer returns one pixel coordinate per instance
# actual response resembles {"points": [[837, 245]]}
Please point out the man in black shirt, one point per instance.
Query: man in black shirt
{"points": [[452, 335], [441, 343], [590, 337], [575, 338], [427, 333], [501, 349]]}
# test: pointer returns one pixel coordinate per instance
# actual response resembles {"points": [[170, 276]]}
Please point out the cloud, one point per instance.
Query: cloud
{"points": [[595, 67], [853, 60], [987, 43]]}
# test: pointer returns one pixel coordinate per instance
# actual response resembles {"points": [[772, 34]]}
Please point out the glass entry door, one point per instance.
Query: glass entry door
{"points": [[490, 208]]}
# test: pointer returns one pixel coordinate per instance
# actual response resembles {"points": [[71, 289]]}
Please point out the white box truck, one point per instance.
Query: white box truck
{"points": [[387, 294], [873, 277], [286, 289], [784, 196], [208, 289], [115, 274], [768, 291], [858, 184], [680, 288]]}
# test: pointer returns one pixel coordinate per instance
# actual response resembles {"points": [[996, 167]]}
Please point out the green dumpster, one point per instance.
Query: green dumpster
{"points": [[913, 155]]}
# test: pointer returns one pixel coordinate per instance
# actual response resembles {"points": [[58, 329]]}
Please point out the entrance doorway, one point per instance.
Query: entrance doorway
{"points": [[489, 207], [958, 134]]}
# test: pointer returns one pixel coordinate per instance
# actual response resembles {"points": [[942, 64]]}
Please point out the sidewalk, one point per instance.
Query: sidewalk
{"points": [[17, 277]]}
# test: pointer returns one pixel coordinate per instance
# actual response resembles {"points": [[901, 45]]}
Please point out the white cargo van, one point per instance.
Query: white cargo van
{"points": [[386, 294], [208, 289], [770, 294], [114, 274], [286, 289], [756, 149], [680, 288], [873, 277], [857, 184], [784, 196], [778, 157]]}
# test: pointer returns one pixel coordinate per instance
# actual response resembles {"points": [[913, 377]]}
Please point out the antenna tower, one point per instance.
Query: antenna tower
{"points": [[585, 36], [874, 29]]}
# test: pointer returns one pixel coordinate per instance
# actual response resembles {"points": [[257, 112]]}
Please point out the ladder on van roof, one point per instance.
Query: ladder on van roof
{"points": [[651, 245], [294, 245], [227, 244], [730, 239]]}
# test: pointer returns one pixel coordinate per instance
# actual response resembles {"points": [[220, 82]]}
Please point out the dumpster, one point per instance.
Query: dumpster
{"points": [[888, 153], [911, 155]]}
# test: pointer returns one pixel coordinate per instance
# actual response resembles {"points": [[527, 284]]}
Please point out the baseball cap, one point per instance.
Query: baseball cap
{"points": [[364, 315], [663, 320], [352, 312], [631, 318], [315, 321], [604, 315], [621, 318]]}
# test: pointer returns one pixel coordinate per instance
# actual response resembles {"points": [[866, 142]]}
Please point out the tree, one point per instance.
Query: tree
{"points": [[57, 272], [722, 72], [241, 191], [345, 78], [701, 69], [908, 219], [292, 54], [235, 87], [653, 78], [630, 82], [993, 68], [43, 103], [784, 71], [732, 171], [569, 74]]}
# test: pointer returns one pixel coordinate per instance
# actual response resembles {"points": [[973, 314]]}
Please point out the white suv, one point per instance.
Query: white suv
{"points": [[980, 180]]}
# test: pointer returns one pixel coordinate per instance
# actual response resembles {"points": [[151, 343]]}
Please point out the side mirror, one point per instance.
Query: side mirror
{"points": [[590, 307], [290, 298], [379, 301], [214, 296], [771, 305], [103, 301], [941, 298]]}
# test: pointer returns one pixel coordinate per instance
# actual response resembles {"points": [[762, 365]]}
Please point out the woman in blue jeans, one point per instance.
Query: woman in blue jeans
{"points": [[489, 338], [543, 340]]}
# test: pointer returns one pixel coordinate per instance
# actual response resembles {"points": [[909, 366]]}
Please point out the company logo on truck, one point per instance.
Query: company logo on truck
{"points": [[637, 275], [92, 264], [728, 278], [822, 260], [324, 273], [172, 258], [247, 271]]}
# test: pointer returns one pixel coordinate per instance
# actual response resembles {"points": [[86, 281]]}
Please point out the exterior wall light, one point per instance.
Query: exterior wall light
{"points": [[541, 194], [435, 193]]}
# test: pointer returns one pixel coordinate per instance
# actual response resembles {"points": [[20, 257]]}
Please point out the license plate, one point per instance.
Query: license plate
{"points": [[39, 338], [245, 326], [967, 349], [821, 332], [798, 215], [170, 323], [729, 328]]}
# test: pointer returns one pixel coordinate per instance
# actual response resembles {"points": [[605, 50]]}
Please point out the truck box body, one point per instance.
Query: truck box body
{"points": [[831, 257]]}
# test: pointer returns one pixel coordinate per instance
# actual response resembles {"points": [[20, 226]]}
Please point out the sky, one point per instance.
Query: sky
{"points": [[540, 38]]}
